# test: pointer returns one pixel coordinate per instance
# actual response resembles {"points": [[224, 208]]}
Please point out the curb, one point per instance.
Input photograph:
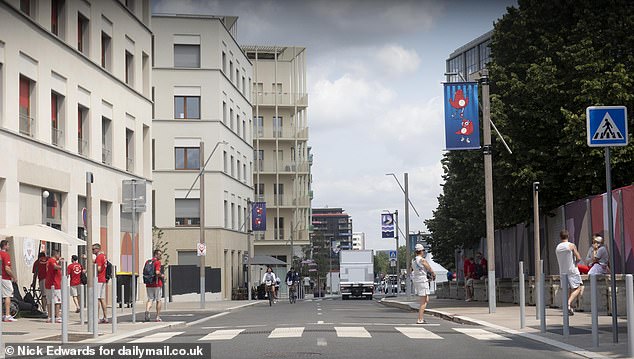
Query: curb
{"points": [[466, 320]]}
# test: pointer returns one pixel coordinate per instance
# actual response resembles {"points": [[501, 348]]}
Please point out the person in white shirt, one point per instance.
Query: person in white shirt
{"points": [[420, 272], [598, 258], [565, 252], [269, 281]]}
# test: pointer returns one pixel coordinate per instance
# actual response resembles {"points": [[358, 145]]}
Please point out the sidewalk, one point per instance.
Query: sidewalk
{"points": [[28, 330], [507, 319]]}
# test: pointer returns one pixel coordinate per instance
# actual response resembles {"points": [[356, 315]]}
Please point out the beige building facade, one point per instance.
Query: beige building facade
{"points": [[201, 87], [74, 98], [282, 159]]}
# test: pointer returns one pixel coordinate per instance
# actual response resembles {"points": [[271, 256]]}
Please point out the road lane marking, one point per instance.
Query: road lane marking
{"points": [[223, 334], [236, 326], [293, 332], [417, 333], [158, 337], [480, 334], [320, 322], [352, 332], [202, 320], [321, 342]]}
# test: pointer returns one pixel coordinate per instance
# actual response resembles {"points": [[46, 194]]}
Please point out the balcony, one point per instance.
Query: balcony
{"points": [[82, 146], [106, 156], [281, 167], [272, 133], [57, 137], [27, 125], [280, 99]]}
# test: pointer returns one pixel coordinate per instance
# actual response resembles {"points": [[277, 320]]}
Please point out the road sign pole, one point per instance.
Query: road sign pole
{"points": [[134, 265], [202, 225], [608, 193]]}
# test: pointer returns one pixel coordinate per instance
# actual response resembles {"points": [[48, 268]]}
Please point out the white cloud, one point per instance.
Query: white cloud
{"points": [[397, 60]]}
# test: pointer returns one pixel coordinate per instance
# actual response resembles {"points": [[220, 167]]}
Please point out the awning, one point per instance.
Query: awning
{"points": [[267, 260], [41, 232]]}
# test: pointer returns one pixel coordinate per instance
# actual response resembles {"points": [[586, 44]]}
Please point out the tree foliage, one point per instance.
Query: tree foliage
{"points": [[549, 61], [159, 243]]}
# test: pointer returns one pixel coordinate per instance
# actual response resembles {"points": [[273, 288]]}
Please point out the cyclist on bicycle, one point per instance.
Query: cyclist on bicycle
{"points": [[292, 279], [269, 281]]}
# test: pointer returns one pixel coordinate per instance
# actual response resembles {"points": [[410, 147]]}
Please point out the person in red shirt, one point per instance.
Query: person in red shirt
{"points": [[469, 274], [100, 261], [154, 289], [7, 280], [54, 284], [74, 271], [39, 272]]}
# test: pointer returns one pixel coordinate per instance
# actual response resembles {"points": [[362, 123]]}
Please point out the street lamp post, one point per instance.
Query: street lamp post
{"points": [[488, 186]]}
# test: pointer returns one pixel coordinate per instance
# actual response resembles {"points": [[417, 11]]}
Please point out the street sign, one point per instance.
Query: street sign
{"points": [[137, 200], [387, 225], [606, 126], [392, 255], [202, 249], [84, 216], [392, 262]]}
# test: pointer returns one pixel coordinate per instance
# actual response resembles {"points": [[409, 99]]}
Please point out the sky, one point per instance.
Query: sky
{"points": [[375, 72]]}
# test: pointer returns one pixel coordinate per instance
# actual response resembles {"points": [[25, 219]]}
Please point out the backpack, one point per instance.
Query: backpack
{"points": [[149, 273], [83, 278], [109, 270]]}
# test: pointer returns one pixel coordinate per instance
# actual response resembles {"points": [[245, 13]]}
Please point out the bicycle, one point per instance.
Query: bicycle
{"points": [[292, 290], [269, 293]]}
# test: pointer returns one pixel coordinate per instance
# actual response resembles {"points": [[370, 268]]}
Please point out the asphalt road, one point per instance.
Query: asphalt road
{"points": [[332, 328]]}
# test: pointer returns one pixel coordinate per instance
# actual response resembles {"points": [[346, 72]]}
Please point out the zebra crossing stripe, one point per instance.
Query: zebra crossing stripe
{"points": [[223, 334], [294, 332], [352, 332], [158, 337], [417, 333], [480, 334]]}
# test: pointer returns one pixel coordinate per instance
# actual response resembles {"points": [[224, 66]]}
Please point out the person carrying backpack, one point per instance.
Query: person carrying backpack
{"points": [[153, 279], [102, 281]]}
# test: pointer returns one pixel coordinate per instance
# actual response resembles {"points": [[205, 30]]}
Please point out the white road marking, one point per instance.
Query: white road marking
{"points": [[293, 332], [321, 342], [320, 322], [158, 337], [318, 308], [222, 334], [417, 333], [480, 334], [352, 332], [202, 320], [236, 326]]}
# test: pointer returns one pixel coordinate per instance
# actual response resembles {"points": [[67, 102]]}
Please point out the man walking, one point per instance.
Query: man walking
{"points": [[39, 274], [74, 271], [54, 284], [7, 280], [100, 261], [565, 251], [153, 284]]}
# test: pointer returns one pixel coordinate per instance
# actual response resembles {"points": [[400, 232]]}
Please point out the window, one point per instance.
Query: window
{"points": [[82, 130], [224, 113], [187, 107], [259, 191], [233, 216], [238, 168], [237, 78], [259, 159], [243, 85], [231, 70], [57, 10], [224, 62], [187, 212], [187, 158], [25, 7], [258, 123], [259, 88], [106, 52], [244, 172], [472, 61], [129, 150], [277, 126], [277, 88], [82, 34], [279, 227], [238, 124], [145, 68], [244, 130], [129, 68], [231, 119], [106, 141], [226, 212], [278, 194], [130, 5], [224, 161], [57, 134], [233, 169], [186, 55], [239, 217], [27, 123]]}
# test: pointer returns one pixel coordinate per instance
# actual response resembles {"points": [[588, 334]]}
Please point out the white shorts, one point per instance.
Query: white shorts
{"points": [[7, 288], [154, 294], [574, 280], [469, 282], [54, 295], [101, 290], [421, 288], [74, 291]]}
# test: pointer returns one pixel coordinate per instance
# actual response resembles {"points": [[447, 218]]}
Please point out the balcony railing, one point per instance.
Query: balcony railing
{"points": [[106, 156], [27, 125], [129, 164], [281, 99], [82, 146], [281, 132], [57, 137], [282, 167]]}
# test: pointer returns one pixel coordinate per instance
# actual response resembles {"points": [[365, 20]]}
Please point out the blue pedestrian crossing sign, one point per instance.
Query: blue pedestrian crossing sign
{"points": [[607, 126], [392, 254]]}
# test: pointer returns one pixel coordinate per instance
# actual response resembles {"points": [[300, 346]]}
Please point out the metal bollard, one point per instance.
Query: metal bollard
{"points": [[563, 284], [542, 299], [65, 297], [594, 311], [95, 305], [52, 312], [629, 291], [114, 300], [122, 296], [81, 304], [522, 297]]}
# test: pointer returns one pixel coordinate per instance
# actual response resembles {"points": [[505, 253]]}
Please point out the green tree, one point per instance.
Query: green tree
{"points": [[549, 61], [381, 263], [159, 243]]}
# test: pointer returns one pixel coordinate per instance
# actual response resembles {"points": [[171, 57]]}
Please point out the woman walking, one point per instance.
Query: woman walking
{"points": [[421, 274]]}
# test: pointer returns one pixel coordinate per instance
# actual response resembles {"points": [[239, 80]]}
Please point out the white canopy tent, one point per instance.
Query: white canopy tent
{"points": [[41, 232], [441, 272]]}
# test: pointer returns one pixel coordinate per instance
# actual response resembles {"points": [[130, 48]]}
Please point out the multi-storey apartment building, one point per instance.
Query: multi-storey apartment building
{"points": [[358, 241], [282, 158], [469, 58], [75, 81], [202, 88]]}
